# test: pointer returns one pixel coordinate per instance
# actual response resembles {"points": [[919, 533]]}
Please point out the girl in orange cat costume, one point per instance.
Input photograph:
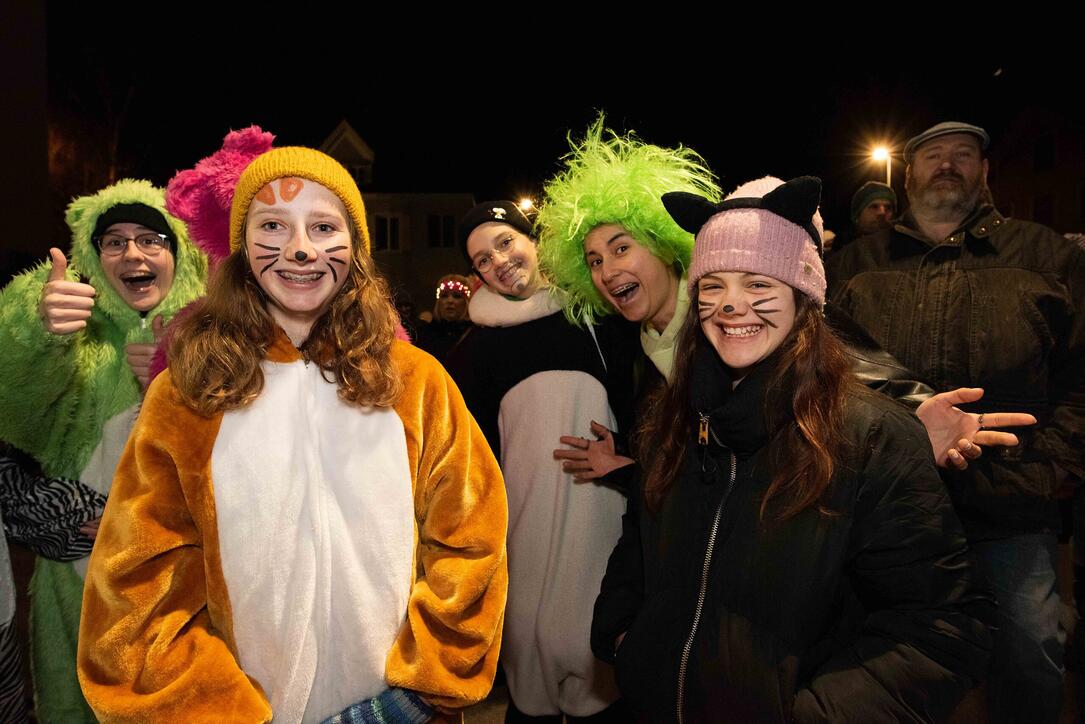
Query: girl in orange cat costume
{"points": [[307, 522]]}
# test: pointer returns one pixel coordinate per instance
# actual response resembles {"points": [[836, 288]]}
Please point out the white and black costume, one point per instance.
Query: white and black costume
{"points": [[529, 376]]}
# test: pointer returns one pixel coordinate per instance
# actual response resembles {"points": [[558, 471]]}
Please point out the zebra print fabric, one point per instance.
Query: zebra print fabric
{"points": [[45, 514], [12, 698]]}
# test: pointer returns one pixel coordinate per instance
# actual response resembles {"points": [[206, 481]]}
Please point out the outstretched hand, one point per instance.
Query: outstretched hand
{"points": [[589, 460], [957, 436], [65, 306]]}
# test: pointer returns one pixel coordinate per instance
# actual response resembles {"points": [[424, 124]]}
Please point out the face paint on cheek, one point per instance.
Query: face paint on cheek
{"points": [[706, 310], [266, 195], [762, 312], [263, 257], [335, 259], [289, 188]]}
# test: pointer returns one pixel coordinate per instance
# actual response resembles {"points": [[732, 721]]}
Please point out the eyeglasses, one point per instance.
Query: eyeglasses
{"points": [[485, 261], [150, 243]]}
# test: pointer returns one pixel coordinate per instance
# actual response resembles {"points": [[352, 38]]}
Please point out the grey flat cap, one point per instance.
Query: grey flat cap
{"points": [[942, 129]]}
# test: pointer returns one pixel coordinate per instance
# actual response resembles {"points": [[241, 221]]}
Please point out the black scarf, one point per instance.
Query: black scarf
{"points": [[737, 416]]}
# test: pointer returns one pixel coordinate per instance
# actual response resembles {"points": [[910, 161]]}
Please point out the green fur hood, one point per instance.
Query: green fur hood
{"points": [[60, 390], [190, 265]]}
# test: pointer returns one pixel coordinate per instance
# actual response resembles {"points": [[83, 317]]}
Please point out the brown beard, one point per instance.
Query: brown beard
{"points": [[943, 204]]}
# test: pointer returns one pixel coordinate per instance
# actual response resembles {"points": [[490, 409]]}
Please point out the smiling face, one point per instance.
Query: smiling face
{"points": [[744, 316], [632, 279], [141, 280], [298, 240], [947, 174], [451, 304], [505, 258]]}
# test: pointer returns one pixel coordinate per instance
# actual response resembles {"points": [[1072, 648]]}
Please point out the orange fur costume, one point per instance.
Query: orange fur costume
{"points": [[157, 639]]}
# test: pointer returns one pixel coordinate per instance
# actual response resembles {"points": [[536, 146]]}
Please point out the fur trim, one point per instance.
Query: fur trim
{"points": [[190, 265], [489, 309], [201, 196]]}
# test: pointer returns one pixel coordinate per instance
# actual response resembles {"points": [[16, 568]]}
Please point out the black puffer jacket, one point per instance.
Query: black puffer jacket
{"points": [[869, 615]]}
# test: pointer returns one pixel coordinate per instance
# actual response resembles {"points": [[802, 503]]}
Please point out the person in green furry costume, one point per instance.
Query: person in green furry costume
{"points": [[74, 357]]}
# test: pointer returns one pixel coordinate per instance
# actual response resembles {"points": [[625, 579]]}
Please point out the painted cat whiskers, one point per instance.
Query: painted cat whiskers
{"points": [[708, 309], [289, 188], [335, 259], [762, 312]]}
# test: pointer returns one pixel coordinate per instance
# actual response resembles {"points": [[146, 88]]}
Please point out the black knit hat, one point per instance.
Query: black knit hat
{"points": [[504, 212], [133, 214]]}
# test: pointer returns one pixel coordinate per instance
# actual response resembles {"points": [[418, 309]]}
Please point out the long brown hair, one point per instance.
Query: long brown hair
{"points": [[809, 387], [216, 351]]}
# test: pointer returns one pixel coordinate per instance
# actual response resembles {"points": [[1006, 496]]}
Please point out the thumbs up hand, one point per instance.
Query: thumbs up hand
{"points": [[65, 306], [140, 356]]}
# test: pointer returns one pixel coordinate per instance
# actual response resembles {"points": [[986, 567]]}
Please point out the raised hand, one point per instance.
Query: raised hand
{"points": [[140, 355], [65, 306], [957, 436]]}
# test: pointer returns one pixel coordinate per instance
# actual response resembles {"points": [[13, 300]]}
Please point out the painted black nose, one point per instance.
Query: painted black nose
{"points": [[300, 255]]}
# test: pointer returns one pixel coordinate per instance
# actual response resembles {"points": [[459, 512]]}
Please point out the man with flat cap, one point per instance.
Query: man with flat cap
{"points": [[966, 297]]}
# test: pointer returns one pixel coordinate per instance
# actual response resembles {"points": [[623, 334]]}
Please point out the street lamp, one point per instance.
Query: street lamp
{"points": [[881, 153], [526, 204]]}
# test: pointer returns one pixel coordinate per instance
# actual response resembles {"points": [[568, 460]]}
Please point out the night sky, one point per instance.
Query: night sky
{"points": [[491, 120]]}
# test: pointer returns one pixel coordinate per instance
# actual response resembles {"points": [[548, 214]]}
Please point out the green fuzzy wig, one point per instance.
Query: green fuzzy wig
{"points": [[612, 179]]}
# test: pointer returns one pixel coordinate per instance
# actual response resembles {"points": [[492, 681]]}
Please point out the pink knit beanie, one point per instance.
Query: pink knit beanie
{"points": [[764, 227]]}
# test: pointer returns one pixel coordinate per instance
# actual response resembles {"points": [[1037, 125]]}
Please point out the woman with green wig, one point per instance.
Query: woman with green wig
{"points": [[606, 239]]}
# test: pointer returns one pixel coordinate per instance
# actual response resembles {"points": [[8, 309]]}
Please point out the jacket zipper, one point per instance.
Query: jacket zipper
{"points": [[702, 439]]}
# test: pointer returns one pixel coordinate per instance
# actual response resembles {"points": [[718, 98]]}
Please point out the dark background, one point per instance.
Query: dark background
{"points": [[486, 111]]}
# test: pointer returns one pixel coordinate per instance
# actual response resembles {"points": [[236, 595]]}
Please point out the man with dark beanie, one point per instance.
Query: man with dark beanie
{"points": [[966, 297], [872, 206]]}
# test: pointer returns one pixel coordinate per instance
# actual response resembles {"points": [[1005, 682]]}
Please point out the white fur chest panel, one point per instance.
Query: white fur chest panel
{"points": [[316, 528]]}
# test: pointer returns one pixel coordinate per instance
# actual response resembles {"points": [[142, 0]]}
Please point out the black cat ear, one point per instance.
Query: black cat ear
{"points": [[689, 211], [796, 200]]}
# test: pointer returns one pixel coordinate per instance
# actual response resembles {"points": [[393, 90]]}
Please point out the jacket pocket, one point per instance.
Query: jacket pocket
{"points": [[646, 663]]}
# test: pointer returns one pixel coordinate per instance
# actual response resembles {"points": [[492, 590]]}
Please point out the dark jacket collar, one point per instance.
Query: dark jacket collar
{"points": [[976, 228], [737, 414]]}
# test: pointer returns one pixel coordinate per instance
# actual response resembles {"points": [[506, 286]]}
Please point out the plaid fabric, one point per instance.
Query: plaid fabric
{"points": [[393, 706]]}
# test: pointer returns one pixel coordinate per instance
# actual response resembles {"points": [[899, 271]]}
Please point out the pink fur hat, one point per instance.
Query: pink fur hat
{"points": [[201, 196]]}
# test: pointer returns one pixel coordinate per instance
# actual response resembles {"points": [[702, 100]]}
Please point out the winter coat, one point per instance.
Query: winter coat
{"points": [[998, 305], [70, 401], [441, 336], [870, 613]]}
